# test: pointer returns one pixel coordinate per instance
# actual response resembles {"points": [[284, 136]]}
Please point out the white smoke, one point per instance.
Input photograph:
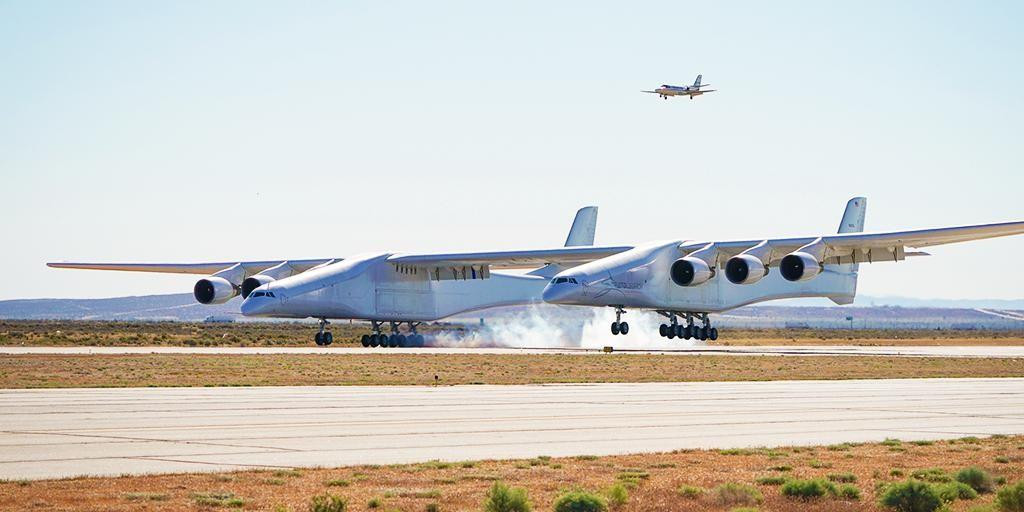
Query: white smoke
{"points": [[549, 327]]}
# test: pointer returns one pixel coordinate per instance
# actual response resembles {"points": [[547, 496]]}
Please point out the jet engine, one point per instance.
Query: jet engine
{"points": [[251, 283], [690, 271], [214, 290], [745, 269], [799, 266]]}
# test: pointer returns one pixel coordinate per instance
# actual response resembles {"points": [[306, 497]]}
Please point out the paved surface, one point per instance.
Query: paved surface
{"points": [[787, 350], [63, 432]]}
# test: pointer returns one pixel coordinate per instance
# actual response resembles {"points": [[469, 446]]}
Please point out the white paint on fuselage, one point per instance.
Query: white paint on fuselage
{"points": [[639, 278], [370, 288]]}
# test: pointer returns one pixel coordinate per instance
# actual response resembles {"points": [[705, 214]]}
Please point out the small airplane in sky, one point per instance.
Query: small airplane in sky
{"points": [[681, 90]]}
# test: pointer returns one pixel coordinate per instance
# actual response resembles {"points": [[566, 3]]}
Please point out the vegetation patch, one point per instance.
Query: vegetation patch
{"points": [[730, 494], [580, 501], [808, 489], [503, 498]]}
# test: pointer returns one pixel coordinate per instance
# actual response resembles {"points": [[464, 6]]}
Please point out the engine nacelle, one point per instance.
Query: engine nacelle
{"points": [[690, 271], [744, 269], [251, 283], [214, 290], [799, 266]]}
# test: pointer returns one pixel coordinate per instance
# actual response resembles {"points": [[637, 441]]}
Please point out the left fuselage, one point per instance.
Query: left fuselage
{"points": [[639, 278], [368, 287]]}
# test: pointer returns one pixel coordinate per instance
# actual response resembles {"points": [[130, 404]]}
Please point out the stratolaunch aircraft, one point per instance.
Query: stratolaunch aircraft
{"points": [[383, 287], [681, 278], [681, 90]]}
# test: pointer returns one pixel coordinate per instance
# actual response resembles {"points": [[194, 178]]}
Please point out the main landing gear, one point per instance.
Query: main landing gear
{"points": [[618, 326], [395, 339], [323, 338], [674, 330]]}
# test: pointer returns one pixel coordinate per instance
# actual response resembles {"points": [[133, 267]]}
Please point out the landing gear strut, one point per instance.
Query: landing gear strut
{"points": [[323, 338], [618, 326], [690, 330]]}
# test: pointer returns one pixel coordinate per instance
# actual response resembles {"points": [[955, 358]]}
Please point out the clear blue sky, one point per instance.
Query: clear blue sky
{"points": [[190, 131]]}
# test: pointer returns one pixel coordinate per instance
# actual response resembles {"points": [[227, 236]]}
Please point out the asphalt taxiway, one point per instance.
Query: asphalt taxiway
{"points": [[64, 432]]}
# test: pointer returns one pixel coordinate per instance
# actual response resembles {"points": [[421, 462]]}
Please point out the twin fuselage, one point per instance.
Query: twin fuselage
{"points": [[371, 288]]}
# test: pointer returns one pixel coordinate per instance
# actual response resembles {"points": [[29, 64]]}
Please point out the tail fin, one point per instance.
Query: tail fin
{"points": [[584, 227], [853, 217], [853, 222], [696, 83]]}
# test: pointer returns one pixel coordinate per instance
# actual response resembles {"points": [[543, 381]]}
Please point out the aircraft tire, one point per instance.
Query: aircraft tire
{"points": [[686, 332], [328, 338], [374, 340], [624, 328], [615, 328], [402, 340], [713, 335], [420, 342], [318, 338], [393, 341], [365, 340], [663, 330]]}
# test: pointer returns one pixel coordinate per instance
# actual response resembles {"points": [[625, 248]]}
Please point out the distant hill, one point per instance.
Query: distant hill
{"points": [[867, 312]]}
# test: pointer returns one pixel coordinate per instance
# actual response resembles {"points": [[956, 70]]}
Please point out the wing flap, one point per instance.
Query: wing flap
{"points": [[509, 259]]}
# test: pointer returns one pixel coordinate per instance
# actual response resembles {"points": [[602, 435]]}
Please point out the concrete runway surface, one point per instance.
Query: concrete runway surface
{"points": [[691, 350], [65, 432]]}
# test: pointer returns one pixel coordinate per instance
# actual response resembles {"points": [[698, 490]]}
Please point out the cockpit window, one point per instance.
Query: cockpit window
{"points": [[270, 294], [560, 280], [258, 294]]}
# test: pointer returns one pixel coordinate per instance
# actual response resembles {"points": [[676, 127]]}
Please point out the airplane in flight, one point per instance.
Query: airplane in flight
{"points": [[681, 90], [383, 287], [682, 279]]}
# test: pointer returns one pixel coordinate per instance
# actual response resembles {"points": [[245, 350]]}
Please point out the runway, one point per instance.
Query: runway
{"points": [[682, 350], [66, 432]]}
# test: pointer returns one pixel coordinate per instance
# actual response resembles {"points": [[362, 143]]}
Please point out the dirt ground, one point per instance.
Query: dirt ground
{"points": [[653, 481], [284, 334], [53, 371]]}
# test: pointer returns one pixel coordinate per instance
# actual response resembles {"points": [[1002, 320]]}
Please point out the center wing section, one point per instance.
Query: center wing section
{"points": [[462, 265]]}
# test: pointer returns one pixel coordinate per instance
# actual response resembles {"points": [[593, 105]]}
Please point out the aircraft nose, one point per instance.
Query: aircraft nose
{"points": [[257, 306], [560, 293]]}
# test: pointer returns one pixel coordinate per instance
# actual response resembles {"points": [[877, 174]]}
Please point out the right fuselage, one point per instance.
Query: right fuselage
{"points": [[639, 278]]}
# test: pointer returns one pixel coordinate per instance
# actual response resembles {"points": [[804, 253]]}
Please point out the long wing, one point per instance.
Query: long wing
{"points": [[250, 267], [652, 92], [866, 247], [509, 259]]}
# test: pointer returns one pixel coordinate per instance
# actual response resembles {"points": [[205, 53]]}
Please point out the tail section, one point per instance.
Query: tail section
{"points": [[853, 222], [584, 227], [696, 83]]}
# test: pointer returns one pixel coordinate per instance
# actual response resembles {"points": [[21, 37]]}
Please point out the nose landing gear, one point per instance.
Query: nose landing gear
{"points": [[323, 338], [618, 326]]}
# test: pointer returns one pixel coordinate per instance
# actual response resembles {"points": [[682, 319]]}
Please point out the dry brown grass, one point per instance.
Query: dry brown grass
{"points": [[462, 487], [37, 371], [285, 334]]}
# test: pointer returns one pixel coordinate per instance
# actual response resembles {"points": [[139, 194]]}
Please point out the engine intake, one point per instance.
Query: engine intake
{"points": [[214, 290], [799, 266], [690, 271], [744, 269], [251, 283]]}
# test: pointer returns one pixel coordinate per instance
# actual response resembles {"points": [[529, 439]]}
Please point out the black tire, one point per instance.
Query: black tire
{"points": [[328, 338], [393, 340], [402, 340], [713, 335], [615, 328], [318, 338], [663, 330], [680, 331], [670, 333], [703, 331], [687, 332], [624, 328], [366, 340], [374, 340]]}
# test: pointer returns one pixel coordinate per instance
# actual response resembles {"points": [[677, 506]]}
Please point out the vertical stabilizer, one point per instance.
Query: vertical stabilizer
{"points": [[696, 83], [853, 217], [584, 227]]}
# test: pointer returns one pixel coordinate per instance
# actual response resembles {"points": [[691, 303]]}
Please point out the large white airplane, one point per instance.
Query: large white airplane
{"points": [[681, 90], [681, 278], [384, 288]]}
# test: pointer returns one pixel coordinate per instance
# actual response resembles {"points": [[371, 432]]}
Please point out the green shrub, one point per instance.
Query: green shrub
{"points": [[891, 442], [502, 498], [977, 478], [690, 491], [819, 464], [846, 478], [953, 491], [145, 496], [617, 495], [848, 492], [922, 443], [910, 496], [432, 507], [896, 473], [327, 503], [580, 501], [781, 468], [337, 482], [737, 494], [772, 480], [1002, 459], [217, 499], [1011, 498], [933, 475], [375, 503], [807, 489]]}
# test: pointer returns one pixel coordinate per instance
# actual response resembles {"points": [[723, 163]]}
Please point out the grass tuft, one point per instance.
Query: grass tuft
{"points": [[327, 503], [729, 494], [502, 498], [580, 501]]}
